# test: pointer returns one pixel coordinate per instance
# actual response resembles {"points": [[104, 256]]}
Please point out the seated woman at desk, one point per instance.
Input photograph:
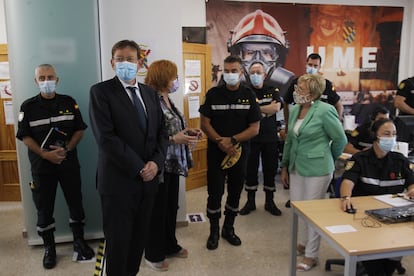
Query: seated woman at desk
{"points": [[361, 138], [378, 171]]}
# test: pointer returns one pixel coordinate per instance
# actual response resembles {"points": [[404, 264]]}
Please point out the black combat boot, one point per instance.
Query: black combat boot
{"points": [[81, 249], [250, 204], [213, 239], [228, 231], [49, 258], [270, 205]]}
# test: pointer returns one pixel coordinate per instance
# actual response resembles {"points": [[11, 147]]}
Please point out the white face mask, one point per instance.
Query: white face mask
{"points": [[301, 99], [47, 87], [231, 79]]}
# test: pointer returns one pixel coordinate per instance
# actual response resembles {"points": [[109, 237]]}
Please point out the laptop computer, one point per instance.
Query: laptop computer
{"points": [[393, 214]]}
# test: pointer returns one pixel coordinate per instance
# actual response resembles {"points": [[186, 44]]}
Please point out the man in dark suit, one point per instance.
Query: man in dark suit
{"points": [[127, 122]]}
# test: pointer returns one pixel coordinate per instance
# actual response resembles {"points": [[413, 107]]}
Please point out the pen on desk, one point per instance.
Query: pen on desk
{"points": [[403, 196]]}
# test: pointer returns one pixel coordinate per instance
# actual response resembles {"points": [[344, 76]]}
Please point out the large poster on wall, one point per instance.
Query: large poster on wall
{"points": [[359, 45]]}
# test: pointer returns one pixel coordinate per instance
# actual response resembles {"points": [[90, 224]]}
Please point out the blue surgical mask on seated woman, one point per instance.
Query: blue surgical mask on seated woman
{"points": [[175, 86], [386, 144], [231, 78], [47, 87], [126, 71], [256, 79]]}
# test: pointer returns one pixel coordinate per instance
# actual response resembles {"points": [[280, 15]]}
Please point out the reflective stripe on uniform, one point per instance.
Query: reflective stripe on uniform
{"points": [[230, 106], [382, 183], [213, 211], [265, 100], [228, 207], [43, 229], [62, 118], [51, 120], [39, 122], [251, 188], [76, 221], [269, 188]]}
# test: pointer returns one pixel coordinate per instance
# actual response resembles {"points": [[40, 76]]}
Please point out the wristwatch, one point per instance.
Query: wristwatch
{"points": [[233, 140]]}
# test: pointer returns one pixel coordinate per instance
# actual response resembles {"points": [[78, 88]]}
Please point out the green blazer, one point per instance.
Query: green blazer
{"points": [[319, 142]]}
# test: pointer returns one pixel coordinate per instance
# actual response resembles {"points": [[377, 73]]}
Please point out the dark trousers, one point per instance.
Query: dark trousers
{"points": [[270, 162], [44, 188], [162, 240], [126, 221], [216, 178], [380, 267]]}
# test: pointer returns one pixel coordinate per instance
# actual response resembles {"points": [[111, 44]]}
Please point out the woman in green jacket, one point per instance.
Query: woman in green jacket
{"points": [[314, 141]]}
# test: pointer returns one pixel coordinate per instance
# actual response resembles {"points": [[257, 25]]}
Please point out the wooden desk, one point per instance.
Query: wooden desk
{"points": [[389, 240]]}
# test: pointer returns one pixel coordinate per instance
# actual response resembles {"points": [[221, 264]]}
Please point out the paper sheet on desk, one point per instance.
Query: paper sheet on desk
{"points": [[394, 201], [336, 229]]}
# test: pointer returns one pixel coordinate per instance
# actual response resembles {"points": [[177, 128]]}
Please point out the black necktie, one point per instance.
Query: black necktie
{"points": [[138, 105]]}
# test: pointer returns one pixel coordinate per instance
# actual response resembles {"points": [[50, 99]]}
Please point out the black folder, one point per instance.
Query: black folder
{"points": [[54, 137]]}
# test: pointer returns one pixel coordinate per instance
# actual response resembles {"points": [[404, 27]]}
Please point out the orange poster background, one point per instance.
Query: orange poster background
{"points": [[359, 45]]}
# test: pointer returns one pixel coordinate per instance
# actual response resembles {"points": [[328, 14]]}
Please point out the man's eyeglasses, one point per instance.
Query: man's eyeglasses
{"points": [[122, 59]]}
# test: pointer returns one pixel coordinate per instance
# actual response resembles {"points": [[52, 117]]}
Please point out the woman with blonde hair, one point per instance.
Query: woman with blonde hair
{"points": [[314, 141]]}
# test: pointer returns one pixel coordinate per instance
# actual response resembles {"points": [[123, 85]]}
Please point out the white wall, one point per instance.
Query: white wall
{"points": [[3, 38]]}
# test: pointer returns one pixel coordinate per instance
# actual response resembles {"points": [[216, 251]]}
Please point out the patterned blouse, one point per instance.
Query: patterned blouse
{"points": [[178, 159]]}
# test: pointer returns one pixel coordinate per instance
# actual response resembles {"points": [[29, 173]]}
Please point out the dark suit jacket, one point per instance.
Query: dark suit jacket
{"points": [[124, 147]]}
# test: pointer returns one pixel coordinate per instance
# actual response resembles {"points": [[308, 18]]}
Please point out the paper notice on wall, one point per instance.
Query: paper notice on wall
{"points": [[4, 70], [192, 85], [192, 68], [193, 106], [8, 112], [5, 90]]}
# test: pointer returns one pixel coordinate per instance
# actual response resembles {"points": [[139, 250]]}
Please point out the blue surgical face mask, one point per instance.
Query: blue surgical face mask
{"points": [[256, 79], [126, 71], [175, 86], [311, 70], [386, 144], [231, 79], [47, 87]]}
